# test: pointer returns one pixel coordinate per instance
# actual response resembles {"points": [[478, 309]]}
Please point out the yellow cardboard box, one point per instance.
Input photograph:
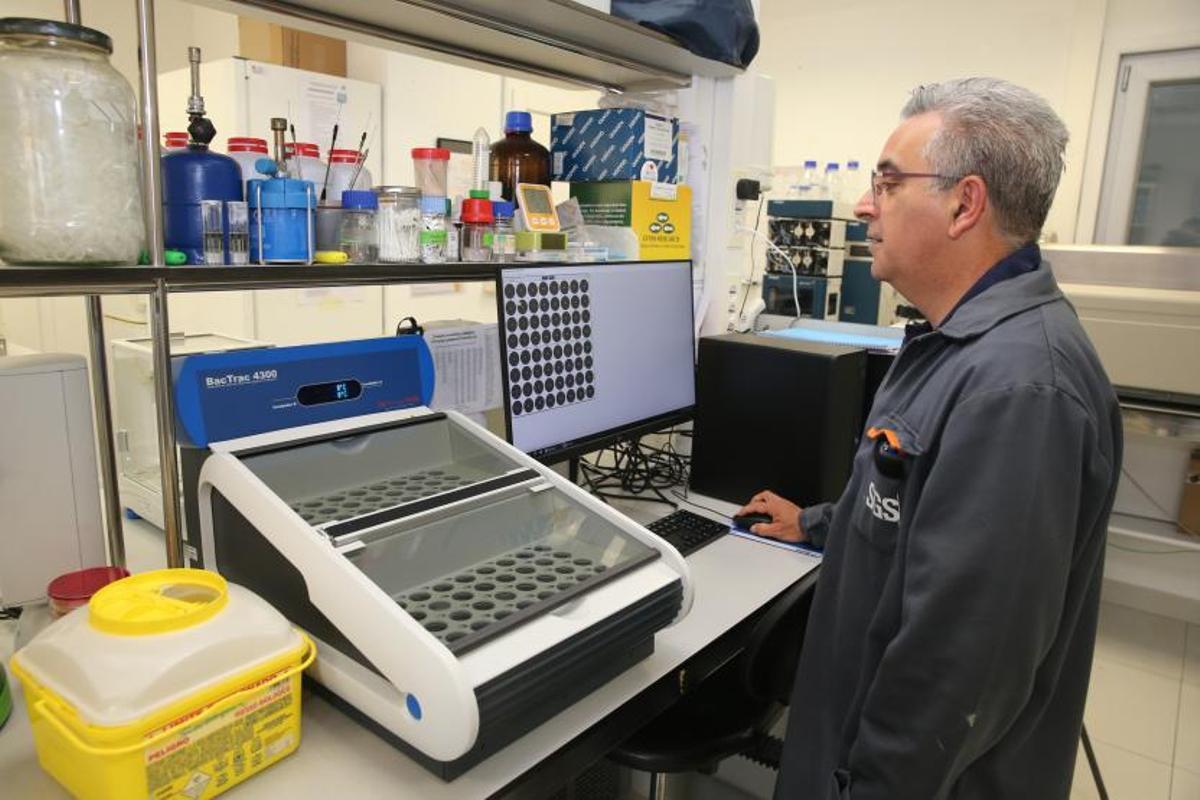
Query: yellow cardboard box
{"points": [[660, 214]]}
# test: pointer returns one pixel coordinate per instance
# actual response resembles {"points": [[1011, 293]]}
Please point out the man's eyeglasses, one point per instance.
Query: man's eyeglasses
{"points": [[886, 180]]}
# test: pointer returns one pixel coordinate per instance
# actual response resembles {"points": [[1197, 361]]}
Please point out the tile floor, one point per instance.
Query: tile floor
{"points": [[1143, 715], [1143, 711]]}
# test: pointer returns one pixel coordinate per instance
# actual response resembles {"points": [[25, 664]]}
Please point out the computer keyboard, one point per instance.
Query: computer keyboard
{"points": [[688, 532]]}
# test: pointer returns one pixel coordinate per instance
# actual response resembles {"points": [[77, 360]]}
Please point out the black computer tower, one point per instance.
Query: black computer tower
{"points": [[778, 414]]}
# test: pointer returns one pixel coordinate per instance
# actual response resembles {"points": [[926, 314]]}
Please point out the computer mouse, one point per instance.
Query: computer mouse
{"points": [[746, 521]]}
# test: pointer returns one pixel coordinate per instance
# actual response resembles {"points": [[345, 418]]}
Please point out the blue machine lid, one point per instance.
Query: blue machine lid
{"points": [[281, 193], [850, 334], [518, 122], [223, 396], [359, 198]]}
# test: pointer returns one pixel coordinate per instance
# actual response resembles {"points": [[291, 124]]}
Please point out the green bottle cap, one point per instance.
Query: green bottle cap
{"points": [[175, 258]]}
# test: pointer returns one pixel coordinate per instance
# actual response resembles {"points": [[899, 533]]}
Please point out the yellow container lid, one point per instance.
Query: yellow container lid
{"points": [[154, 639], [158, 602]]}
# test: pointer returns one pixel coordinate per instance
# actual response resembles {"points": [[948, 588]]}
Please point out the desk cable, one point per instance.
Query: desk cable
{"points": [[631, 468]]}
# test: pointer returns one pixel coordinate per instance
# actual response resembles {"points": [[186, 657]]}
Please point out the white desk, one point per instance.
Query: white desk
{"points": [[338, 758]]}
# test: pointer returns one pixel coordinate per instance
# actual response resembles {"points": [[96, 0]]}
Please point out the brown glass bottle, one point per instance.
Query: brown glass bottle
{"points": [[517, 158]]}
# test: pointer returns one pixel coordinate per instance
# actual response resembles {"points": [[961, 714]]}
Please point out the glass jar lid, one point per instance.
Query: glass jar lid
{"points": [[400, 191], [25, 26]]}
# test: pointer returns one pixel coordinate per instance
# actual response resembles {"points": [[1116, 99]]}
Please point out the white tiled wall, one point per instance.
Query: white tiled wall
{"points": [[1143, 711]]}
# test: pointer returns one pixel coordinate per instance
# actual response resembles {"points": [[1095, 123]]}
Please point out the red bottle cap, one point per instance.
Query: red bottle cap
{"points": [[340, 156], [431, 153], [247, 144], [476, 210], [303, 149]]}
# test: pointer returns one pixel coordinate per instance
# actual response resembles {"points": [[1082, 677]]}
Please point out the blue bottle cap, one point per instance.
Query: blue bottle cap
{"points": [[433, 204], [810, 164], [359, 198], [518, 122], [266, 166], [503, 208]]}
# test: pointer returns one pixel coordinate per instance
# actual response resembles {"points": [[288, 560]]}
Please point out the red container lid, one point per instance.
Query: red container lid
{"points": [[304, 148], [176, 138], [476, 210], [343, 156], [431, 153], [79, 586], [246, 144]]}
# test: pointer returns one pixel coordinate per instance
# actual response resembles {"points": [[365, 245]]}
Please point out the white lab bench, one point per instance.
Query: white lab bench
{"points": [[733, 578]]}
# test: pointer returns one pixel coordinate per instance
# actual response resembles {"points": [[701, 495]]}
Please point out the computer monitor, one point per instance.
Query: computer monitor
{"points": [[594, 352]]}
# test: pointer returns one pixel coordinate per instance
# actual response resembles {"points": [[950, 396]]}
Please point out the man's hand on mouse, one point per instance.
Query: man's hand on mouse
{"points": [[785, 517]]}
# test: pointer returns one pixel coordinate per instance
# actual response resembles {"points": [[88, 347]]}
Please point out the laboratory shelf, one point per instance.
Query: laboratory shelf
{"points": [[51, 281], [1152, 531], [556, 39]]}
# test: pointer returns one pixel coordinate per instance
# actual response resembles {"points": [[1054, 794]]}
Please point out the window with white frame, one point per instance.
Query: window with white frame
{"points": [[1150, 194]]}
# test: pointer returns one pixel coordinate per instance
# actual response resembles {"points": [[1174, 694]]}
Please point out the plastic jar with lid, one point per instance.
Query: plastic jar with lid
{"points": [[68, 126], [429, 166], [504, 235], [398, 222], [434, 236], [343, 164], [358, 238], [477, 230], [246, 151], [304, 162]]}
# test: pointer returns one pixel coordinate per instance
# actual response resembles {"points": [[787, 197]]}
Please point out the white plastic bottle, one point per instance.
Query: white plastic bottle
{"points": [[344, 165], [831, 183], [852, 183], [808, 181], [304, 162]]}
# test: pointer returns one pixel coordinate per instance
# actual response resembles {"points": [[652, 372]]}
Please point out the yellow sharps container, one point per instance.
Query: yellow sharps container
{"points": [[169, 684]]}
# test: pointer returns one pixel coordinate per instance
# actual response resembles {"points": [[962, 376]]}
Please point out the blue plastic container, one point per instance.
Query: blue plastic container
{"points": [[284, 210], [190, 176]]}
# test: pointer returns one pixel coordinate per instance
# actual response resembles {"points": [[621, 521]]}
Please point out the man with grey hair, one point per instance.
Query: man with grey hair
{"points": [[950, 642]]}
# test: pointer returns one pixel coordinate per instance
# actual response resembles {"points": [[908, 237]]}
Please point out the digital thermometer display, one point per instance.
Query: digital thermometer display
{"points": [[333, 392], [536, 205]]}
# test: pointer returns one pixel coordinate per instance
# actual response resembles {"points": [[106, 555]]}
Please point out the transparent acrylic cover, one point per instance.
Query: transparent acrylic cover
{"points": [[467, 540], [136, 418]]}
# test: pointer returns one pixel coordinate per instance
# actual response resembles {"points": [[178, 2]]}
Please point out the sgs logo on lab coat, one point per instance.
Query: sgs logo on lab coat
{"points": [[883, 508]]}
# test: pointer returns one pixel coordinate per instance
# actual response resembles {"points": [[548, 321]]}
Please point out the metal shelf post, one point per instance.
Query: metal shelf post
{"points": [[113, 523]]}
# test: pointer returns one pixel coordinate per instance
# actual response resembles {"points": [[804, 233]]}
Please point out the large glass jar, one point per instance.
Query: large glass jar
{"points": [[68, 124], [398, 223]]}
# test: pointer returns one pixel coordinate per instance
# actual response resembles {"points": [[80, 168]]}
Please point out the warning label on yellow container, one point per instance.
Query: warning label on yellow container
{"points": [[204, 758]]}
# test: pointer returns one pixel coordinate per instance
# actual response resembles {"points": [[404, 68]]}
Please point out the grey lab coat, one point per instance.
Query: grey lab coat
{"points": [[950, 642]]}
